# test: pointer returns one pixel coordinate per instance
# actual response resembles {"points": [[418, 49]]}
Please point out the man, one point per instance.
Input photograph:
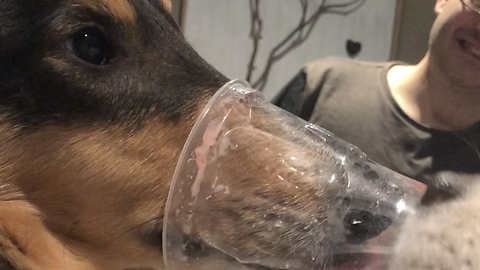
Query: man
{"points": [[420, 120]]}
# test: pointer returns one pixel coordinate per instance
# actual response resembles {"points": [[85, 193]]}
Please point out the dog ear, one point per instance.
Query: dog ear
{"points": [[26, 242]]}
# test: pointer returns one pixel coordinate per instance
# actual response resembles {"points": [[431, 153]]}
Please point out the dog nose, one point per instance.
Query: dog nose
{"points": [[362, 225]]}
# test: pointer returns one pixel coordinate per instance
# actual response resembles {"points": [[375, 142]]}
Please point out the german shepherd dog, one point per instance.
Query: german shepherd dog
{"points": [[97, 98]]}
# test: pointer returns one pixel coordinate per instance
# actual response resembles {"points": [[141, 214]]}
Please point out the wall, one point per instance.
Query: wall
{"points": [[414, 22], [219, 31]]}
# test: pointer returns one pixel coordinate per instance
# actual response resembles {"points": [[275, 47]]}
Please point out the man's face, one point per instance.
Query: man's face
{"points": [[455, 43]]}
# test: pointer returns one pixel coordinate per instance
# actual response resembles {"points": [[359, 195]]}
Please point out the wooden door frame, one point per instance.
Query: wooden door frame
{"points": [[178, 12], [397, 22]]}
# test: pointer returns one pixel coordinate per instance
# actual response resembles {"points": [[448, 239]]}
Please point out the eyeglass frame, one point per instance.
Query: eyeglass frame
{"points": [[468, 4]]}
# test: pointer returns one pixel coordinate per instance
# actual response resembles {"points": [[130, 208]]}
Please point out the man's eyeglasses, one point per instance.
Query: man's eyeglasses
{"points": [[473, 5]]}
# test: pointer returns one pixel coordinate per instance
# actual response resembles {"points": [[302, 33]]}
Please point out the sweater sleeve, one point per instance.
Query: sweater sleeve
{"points": [[291, 97], [301, 94]]}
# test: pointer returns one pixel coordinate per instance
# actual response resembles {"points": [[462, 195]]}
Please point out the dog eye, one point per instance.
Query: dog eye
{"points": [[91, 45]]}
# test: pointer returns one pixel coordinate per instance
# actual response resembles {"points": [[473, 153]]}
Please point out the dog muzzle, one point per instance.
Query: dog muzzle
{"points": [[259, 188]]}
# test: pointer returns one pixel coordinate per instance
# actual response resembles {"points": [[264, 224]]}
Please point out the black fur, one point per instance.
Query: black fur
{"points": [[155, 75]]}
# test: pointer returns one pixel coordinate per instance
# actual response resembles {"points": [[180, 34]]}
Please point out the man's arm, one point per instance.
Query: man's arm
{"points": [[292, 98]]}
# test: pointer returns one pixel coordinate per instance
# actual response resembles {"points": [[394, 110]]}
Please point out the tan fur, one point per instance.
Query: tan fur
{"points": [[259, 184], [92, 187], [119, 9], [24, 239]]}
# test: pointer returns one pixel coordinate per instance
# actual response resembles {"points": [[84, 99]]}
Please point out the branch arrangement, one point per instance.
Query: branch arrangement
{"points": [[294, 38]]}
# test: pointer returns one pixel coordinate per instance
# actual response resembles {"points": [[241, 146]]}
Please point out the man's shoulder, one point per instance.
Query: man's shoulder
{"points": [[342, 72], [337, 65]]}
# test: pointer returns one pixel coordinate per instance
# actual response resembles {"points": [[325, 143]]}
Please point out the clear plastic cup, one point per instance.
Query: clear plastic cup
{"points": [[259, 188]]}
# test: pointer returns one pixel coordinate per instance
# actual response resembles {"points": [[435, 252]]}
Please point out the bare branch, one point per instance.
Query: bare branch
{"points": [[255, 34], [296, 36]]}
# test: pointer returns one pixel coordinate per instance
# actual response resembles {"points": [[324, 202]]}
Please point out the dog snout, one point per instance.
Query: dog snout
{"points": [[368, 206]]}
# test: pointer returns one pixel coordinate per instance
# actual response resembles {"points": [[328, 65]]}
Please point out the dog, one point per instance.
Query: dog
{"points": [[97, 99]]}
